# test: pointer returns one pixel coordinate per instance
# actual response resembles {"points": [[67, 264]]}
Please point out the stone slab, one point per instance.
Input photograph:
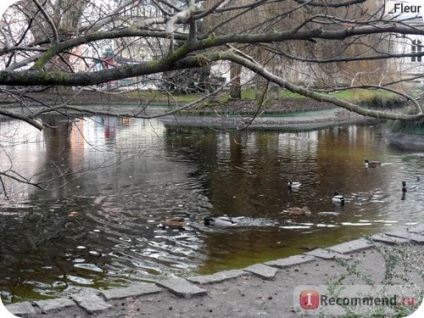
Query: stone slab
{"points": [[91, 302], [291, 261], [352, 246], [264, 271], [417, 238], [182, 287], [393, 240], [217, 277], [132, 291], [406, 235], [23, 309], [401, 234], [54, 304], [325, 254], [418, 229]]}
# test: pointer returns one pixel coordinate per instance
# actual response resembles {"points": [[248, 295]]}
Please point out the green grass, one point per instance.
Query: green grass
{"points": [[364, 94], [352, 95], [250, 94]]}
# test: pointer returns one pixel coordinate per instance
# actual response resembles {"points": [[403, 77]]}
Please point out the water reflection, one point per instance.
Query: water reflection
{"points": [[247, 174], [121, 177]]}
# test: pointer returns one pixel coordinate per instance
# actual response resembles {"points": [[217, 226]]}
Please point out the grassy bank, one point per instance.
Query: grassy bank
{"points": [[354, 95]]}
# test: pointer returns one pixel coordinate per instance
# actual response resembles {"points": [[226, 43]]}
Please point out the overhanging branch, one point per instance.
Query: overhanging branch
{"points": [[37, 123], [231, 56]]}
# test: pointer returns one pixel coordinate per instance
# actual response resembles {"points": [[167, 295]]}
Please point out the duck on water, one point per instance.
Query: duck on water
{"points": [[298, 211], [239, 221], [406, 188], [338, 199], [221, 220], [372, 164], [176, 222], [293, 185]]}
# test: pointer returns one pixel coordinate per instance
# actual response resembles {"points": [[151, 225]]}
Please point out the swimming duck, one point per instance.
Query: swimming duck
{"points": [[338, 198], [219, 221], [174, 222], [293, 186], [298, 211], [372, 164], [411, 188]]}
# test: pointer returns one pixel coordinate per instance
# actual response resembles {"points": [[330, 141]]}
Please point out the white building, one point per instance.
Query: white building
{"points": [[409, 68]]}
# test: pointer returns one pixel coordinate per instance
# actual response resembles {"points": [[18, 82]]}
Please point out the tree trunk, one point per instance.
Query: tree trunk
{"points": [[235, 88]]}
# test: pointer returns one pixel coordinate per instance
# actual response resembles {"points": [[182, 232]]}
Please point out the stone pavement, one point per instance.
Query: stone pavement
{"points": [[260, 290]]}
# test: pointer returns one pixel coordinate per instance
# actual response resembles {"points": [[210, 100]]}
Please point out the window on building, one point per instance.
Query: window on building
{"points": [[416, 48]]}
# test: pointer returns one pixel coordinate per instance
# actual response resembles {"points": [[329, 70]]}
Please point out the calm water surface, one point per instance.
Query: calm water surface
{"points": [[122, 177]]}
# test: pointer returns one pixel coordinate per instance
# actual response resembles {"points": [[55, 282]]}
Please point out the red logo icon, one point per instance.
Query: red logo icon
{"points": [[309, 299]]}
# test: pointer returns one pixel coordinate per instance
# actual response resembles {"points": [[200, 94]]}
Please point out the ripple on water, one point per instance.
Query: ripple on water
{"points": [[79, 280], [78, 260], [89, 267], [356, 223], [122, 224], [294, 227]]}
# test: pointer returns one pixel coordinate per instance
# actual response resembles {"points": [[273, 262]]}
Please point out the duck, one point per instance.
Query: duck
{"points": [[372, 164], [219, 221], [298, 211], [293, 186], [174, 222], [338, 198], [411, 188]]}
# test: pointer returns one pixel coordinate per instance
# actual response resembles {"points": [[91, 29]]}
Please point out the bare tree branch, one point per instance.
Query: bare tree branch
{"points": [[320, 97]]}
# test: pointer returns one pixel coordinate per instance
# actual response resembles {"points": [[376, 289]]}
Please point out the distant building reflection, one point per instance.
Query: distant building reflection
{"points": [[22, 153]]}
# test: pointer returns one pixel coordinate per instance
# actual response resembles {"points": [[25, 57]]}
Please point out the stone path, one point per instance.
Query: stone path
{"points": [[258, 290]]}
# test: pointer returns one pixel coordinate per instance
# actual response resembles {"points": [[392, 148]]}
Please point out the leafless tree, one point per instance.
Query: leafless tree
{"points": [[36, 36]]}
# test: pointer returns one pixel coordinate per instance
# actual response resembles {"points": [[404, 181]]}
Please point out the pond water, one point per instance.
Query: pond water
{"points": [[109, 182]]}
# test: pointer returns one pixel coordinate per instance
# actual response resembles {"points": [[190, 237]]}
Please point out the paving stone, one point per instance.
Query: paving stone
{"points": [[389, 239], [132, 291], [417, 238], [217, 277], [419, 229], [182, 287], [291, 261], [91, 302], [54, 304], [401, 234], [264, 271], [352, 246], [325, 254], [21, 309], [406, 235]]}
